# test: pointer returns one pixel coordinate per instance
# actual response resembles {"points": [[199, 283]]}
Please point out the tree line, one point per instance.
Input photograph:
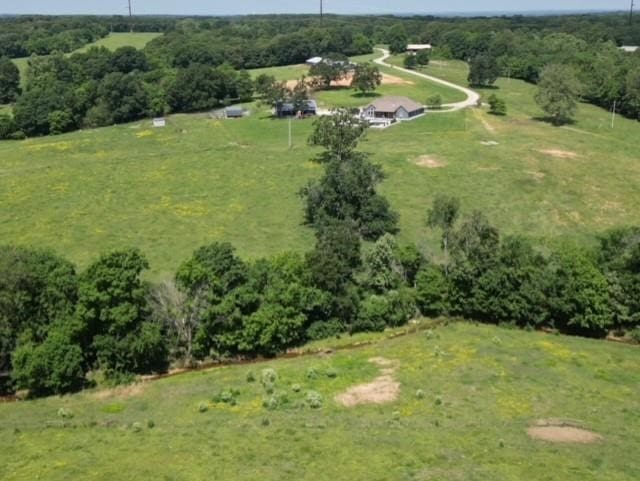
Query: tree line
{"points": [[58, 325]]}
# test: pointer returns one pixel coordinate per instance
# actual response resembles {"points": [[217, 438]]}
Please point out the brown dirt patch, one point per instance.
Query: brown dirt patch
{"points": [[559, 431], [386, 80], [429, 162], [383, 389], [120, 392], [559, 154]]}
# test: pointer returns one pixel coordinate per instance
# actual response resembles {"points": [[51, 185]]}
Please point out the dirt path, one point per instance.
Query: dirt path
{"points": [[383, 389], [472, 97]]}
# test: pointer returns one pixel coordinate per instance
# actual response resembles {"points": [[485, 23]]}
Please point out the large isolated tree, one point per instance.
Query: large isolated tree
{"points": [[558, 93], [9, 81], [366, 78], [483, 70], [338, 133]]}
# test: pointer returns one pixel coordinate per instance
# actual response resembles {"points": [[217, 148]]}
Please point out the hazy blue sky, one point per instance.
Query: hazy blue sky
{"points": [[220, 7]]}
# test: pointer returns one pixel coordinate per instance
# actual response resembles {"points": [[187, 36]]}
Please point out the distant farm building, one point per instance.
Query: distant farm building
{"points": [[392, 108], [314, 61], [159, 122], [417, 47], [629, 48], [234, 112], [287, 109]]}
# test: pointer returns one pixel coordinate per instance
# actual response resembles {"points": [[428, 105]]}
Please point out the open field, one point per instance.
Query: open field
{"points": [[396, 83], [114, 41], [483, 389], [169, 191]]}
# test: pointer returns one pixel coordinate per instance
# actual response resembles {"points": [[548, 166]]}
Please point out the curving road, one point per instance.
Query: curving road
{"points": [[472, 97]]}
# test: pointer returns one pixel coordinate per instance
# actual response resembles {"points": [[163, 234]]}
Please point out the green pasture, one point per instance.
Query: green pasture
{"points": [[114, 41], [481, 387], [168, 191]]}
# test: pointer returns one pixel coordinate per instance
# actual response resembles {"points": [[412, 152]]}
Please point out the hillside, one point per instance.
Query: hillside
{"points": [[169, 191], [482, 387]]}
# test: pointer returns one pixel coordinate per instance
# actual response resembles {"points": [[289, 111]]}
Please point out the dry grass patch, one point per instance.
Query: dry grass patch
{"points": [[429, 162], [383, 389], [386, 80], [559, 154], [560, 431], [120, 392]]}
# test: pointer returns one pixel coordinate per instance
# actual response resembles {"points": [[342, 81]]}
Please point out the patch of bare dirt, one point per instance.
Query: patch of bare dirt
{"points": [[387, 79], [561, 431], [559, 154], [383, 389], [429, 162], [120, 392]]}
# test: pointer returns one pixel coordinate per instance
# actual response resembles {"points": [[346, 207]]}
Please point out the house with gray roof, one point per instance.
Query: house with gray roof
{"points": [[393, 108]]}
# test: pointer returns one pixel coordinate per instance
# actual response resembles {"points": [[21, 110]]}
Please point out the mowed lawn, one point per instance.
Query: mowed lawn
{"points": [[170, 191], [482, 388]]}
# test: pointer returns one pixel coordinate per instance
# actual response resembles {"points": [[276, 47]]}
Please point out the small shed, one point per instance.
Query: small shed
{"points": [[234, 112], [630, 48], [314, 61], [159, 122]]}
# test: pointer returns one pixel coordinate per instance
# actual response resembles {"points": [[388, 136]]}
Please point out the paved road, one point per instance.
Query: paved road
{"points": [[472, 97]]}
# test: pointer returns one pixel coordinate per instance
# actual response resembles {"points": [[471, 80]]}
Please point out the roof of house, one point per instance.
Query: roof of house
{"points": [[392, 104], [418, 46], [314, 60], [629, 48], [234, 109]]}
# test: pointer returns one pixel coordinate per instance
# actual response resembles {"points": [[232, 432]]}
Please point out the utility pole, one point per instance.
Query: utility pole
{"points": [[130, 11], [631, 12], [321, 11], [290, 137]]}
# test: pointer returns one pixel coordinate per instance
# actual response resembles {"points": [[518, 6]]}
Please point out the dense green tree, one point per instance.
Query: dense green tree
{"points": [[37, 290], [128, 59], [366, 78], [9, 81], [483, 70], [497, 106], [423, 57], [383, 270], [432, 291], [579, 298], [409, 61], [114, 313], [7, 126], [125, 96], [327, 71], [338, 133], [397, 39], [558, 93], [434, 102]]}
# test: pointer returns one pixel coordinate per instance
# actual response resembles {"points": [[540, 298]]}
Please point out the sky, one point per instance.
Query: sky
{"points": [[220, 7]]}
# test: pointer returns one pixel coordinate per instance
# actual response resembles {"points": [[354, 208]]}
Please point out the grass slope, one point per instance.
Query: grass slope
{"points": [[169, 191], [483, 387]]}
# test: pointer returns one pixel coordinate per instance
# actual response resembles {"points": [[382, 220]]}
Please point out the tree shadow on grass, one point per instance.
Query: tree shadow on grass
{"points": [[367, 95], [554, 122]]}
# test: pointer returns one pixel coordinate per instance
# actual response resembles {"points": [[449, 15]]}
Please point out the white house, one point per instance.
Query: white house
{"points": [[160, 122]]}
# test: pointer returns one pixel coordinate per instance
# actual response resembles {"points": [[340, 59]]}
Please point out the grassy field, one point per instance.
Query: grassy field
{"points": [[114, 41], [400, 83], [483, 388], [169, 191]]}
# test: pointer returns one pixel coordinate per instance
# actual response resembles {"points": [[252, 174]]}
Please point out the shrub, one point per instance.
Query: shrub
{"points": [[151, 424], [65, 413], [137, 427], [269, 387], [312, 373], [271, 403], [419, 394], [269, 376], [635, 335], [431, 291], [331, 373], [203, 407], [324, 329], [8, 126], [265, 422], [251, 377], [296, 388], [434, 102], [395, 415], [314, 400], [497, 106]]}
